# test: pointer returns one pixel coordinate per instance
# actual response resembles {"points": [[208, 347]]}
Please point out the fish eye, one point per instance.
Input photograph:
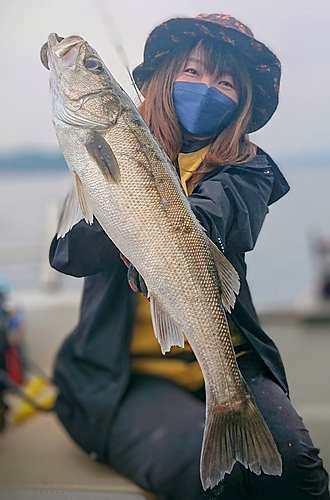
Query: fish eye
{"points": [[93, 65]]}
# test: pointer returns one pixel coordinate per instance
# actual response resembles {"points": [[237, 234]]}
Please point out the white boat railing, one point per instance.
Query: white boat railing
{"points": [[23, 254]]}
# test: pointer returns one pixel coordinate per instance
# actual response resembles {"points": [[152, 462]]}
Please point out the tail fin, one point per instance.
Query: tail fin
{"points": [[233, 436]]}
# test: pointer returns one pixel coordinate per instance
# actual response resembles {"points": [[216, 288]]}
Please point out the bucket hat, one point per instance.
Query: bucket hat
{"points": [[263, 65]]}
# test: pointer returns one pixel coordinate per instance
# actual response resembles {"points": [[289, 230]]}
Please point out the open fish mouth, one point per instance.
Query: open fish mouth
{"points": [[62, 48], [44, 48]]}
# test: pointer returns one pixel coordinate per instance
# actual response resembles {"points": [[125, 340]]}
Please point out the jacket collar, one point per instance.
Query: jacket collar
{"points": [[261, 160]]}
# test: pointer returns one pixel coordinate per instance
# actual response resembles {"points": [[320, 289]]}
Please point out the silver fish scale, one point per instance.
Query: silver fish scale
{"points": [[150, 221], [169, 247], [149, 218]]}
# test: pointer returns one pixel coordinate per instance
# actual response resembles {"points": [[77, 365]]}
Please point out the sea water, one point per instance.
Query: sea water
{"points": [[281, 269]]}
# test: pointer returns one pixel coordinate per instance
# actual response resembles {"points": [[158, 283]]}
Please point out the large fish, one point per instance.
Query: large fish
{"points": [[123, 178]]}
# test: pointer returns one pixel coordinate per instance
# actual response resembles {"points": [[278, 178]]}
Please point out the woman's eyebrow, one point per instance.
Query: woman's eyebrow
{"points": [[195, 60], [201, 61]]}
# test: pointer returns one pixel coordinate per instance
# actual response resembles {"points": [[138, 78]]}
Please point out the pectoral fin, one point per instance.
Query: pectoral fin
{"points": [[166, 331], [230, 283], [102, 153], [77, 206]]}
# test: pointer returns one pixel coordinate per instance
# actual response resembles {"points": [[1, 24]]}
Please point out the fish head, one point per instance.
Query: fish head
{"points": [[84, 93]]}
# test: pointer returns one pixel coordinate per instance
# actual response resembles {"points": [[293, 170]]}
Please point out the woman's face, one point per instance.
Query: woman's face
{"points": [[194, 71]]}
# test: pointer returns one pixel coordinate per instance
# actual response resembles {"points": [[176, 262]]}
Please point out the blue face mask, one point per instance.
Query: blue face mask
{"points": [[201, 110]]}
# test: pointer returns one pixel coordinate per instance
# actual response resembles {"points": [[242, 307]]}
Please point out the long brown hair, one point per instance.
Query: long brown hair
{"points": [[232, 145]]}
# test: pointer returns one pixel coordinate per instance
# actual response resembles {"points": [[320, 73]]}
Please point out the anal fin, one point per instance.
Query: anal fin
{"points": [[166, 330]]}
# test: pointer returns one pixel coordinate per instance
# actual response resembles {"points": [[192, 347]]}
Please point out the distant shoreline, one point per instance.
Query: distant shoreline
{"points": [[32, 162], [36, 161]]}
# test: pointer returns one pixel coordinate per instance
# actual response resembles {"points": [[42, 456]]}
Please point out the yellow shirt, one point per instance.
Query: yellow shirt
{"points": [[188, 164], [146, 356]]}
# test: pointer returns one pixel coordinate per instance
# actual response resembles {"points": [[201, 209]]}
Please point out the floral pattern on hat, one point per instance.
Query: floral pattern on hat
{"points": [[263, 68]]}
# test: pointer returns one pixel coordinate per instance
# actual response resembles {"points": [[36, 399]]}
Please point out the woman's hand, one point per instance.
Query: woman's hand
{"points": [[135, 280]]}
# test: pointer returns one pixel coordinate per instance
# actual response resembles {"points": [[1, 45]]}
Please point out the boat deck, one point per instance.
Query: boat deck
{"points": [[38, 460]]}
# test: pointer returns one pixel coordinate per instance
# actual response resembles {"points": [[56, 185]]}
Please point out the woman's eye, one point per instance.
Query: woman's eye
{"points": [[94, 65], [191, 71], [226, 83]]}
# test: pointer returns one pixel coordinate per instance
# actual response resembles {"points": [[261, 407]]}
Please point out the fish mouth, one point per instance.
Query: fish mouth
{"points": [[65, 49]]}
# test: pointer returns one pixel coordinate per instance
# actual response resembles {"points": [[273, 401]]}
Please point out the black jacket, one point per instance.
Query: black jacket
{"points": [[92, 367]]}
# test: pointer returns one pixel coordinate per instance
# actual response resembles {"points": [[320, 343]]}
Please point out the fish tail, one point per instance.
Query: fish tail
{"points": [[237, 435]]}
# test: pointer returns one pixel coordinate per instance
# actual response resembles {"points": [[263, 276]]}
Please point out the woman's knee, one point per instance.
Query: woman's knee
{"points": [[303, 471], [303, 476]]}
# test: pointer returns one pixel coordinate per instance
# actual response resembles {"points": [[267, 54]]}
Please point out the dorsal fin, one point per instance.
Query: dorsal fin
{"points": [[230, 282]]}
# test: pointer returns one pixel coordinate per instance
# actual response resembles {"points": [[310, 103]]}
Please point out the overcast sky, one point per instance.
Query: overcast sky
{"points": [[296, 30]]}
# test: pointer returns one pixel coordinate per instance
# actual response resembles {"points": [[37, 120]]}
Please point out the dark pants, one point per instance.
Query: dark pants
{"points": [[157, 434]]}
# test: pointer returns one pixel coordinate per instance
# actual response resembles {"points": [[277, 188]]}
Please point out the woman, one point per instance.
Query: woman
{"points": [[207, 83]]}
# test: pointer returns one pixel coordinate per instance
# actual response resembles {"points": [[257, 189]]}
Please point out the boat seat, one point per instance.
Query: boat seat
{"points": [[39, 461]]}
